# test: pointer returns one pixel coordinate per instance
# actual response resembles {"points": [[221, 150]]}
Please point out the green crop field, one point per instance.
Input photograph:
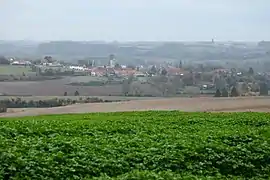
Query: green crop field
{"points": [[15, 70], [136, 145]]}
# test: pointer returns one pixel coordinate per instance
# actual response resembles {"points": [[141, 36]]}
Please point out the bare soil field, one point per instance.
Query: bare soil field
{"points": [[201, 104], [59, 86], [55, 88]]}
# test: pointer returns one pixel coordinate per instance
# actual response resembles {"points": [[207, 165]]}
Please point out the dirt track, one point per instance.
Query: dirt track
{"points": [[182, 104]]}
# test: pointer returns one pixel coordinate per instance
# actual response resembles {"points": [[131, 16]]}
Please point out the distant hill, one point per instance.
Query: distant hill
{"points": [[135, 51]]}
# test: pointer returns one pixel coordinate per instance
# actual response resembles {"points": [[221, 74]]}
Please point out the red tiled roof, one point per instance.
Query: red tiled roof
{"points": [[125, 72], [99, 70], [220, 70], [175, 71]]}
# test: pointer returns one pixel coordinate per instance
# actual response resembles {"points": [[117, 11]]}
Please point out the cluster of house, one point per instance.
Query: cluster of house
{"points": [[19, 62], [101, 71], [123, 70]]}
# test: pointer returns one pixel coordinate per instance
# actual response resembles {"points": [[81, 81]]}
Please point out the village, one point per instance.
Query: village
{"points": [[158, 80]]}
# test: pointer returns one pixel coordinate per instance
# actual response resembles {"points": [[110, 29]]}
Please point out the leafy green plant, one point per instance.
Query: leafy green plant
{"points": [[136, 145]]}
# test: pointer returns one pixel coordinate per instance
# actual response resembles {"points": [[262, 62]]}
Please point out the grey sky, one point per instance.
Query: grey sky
{"points": [[128, 20]]}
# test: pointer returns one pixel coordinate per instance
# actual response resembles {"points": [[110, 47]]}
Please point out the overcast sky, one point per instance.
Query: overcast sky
{"points": [[132, 20]]}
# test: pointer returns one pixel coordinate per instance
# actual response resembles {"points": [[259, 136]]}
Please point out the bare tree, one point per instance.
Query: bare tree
{"points": [[164, 87], [136, 88], [192, 90], [126, 84], [177, 83], [219, 82], [255, 87], [244, 88], [130, 78], [206, 76], [125, 87], [188, 79]]}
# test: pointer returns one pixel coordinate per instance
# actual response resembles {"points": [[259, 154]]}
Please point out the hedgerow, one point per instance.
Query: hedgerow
{"points": [[21, 103], [136, 145]]}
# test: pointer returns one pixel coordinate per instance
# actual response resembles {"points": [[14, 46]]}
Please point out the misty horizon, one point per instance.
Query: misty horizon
{"points": [[126, 21], [135, 41]]}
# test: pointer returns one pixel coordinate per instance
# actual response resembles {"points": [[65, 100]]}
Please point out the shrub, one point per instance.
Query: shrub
{"points": [[20, 103], [3, 108]]}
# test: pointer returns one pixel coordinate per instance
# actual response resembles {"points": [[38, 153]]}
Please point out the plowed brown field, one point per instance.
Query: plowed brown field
{"points": [[210, 104]]}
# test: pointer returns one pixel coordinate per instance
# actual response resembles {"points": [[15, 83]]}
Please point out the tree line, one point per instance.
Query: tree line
{"points": [[263, 91], [20, 103]]}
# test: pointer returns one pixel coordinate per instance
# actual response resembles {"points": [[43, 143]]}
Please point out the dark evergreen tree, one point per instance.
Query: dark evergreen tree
{"points": [[117, 65], [76, 93], [217, 94], [263, 89], [234, 92], [164, 72], [225, 93], [251, 71], [4, 60], [153, 70], [180, 64]]}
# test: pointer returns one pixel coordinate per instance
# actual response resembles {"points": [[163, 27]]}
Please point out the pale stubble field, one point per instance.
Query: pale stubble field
{"points": [[198, 104]]}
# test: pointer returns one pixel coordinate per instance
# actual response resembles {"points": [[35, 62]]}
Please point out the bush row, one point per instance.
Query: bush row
{"points": [[19, 103], [27, 78]]}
